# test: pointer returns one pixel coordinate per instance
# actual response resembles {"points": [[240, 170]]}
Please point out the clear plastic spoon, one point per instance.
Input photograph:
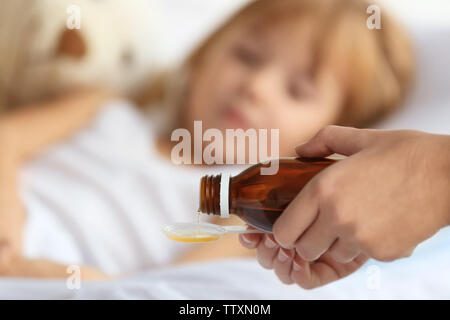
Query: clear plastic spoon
{"points": [[203, 232]]}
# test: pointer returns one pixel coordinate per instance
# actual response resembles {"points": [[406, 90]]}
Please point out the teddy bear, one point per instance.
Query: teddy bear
{"points": [[48, 47]]}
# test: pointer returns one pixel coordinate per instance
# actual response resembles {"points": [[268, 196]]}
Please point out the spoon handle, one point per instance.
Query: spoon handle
{"points": [[241, 229]]}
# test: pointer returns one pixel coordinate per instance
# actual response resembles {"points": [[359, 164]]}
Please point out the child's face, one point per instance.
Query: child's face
{"points": [[262, 79]]}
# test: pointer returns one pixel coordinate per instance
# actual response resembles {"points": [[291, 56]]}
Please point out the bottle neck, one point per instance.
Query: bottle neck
{"points": [[214, 195]]}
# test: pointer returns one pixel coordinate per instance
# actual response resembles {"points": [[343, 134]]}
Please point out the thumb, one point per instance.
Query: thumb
{"points": [[335, 139]]}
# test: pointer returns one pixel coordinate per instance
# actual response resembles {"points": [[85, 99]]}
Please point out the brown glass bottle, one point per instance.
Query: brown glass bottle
{"points": [[260, 199]]}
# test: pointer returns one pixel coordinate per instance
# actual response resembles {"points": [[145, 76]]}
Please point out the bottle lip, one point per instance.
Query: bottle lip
{"points": [[224, 195]]}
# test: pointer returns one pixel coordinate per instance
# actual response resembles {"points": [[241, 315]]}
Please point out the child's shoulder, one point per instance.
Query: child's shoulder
{"points": [[120, 117], [118, 112]]}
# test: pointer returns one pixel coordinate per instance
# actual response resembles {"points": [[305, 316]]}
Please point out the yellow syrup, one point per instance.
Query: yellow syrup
{"points": [[194, 236]]}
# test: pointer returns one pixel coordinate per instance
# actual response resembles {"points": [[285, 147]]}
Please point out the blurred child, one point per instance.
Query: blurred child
{"points": [[292, 65]]}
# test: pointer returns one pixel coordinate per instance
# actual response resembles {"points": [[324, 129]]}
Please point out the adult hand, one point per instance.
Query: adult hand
{"points": [[389, 195], [291, 268]]}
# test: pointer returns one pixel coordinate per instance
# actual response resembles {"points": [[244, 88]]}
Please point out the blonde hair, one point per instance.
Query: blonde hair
{"points": [[376, 66]]}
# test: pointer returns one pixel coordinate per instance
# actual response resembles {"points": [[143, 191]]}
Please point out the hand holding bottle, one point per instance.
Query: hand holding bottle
{"points": [[389, 195]]}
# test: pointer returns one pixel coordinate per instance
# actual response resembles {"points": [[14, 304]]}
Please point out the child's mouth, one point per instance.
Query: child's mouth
{"points": [[234, 118]]}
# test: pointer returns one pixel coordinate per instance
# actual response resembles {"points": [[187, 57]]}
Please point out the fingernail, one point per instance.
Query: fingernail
{"points": [[282, 256], [247, 240], [269, 243], [296, 266]]}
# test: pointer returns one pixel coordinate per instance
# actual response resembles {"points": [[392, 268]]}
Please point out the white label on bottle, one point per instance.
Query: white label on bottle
{"points": [[225, 195]]}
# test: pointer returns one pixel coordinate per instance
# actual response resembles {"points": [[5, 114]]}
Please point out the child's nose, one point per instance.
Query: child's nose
{"points": [[260, 86]]}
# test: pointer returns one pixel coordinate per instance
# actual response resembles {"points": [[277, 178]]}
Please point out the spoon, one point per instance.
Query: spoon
{"points": [[203, 232]]}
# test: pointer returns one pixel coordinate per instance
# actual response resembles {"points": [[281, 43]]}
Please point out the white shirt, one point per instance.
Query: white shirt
{"points": [[102, 197]]}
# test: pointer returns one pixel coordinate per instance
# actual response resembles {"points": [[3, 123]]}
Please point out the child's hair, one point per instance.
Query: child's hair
{"points": [[377, 64]]}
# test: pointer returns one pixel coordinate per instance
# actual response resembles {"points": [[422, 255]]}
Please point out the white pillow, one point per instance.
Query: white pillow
{"points": [[185, 23], [428, 106]]}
